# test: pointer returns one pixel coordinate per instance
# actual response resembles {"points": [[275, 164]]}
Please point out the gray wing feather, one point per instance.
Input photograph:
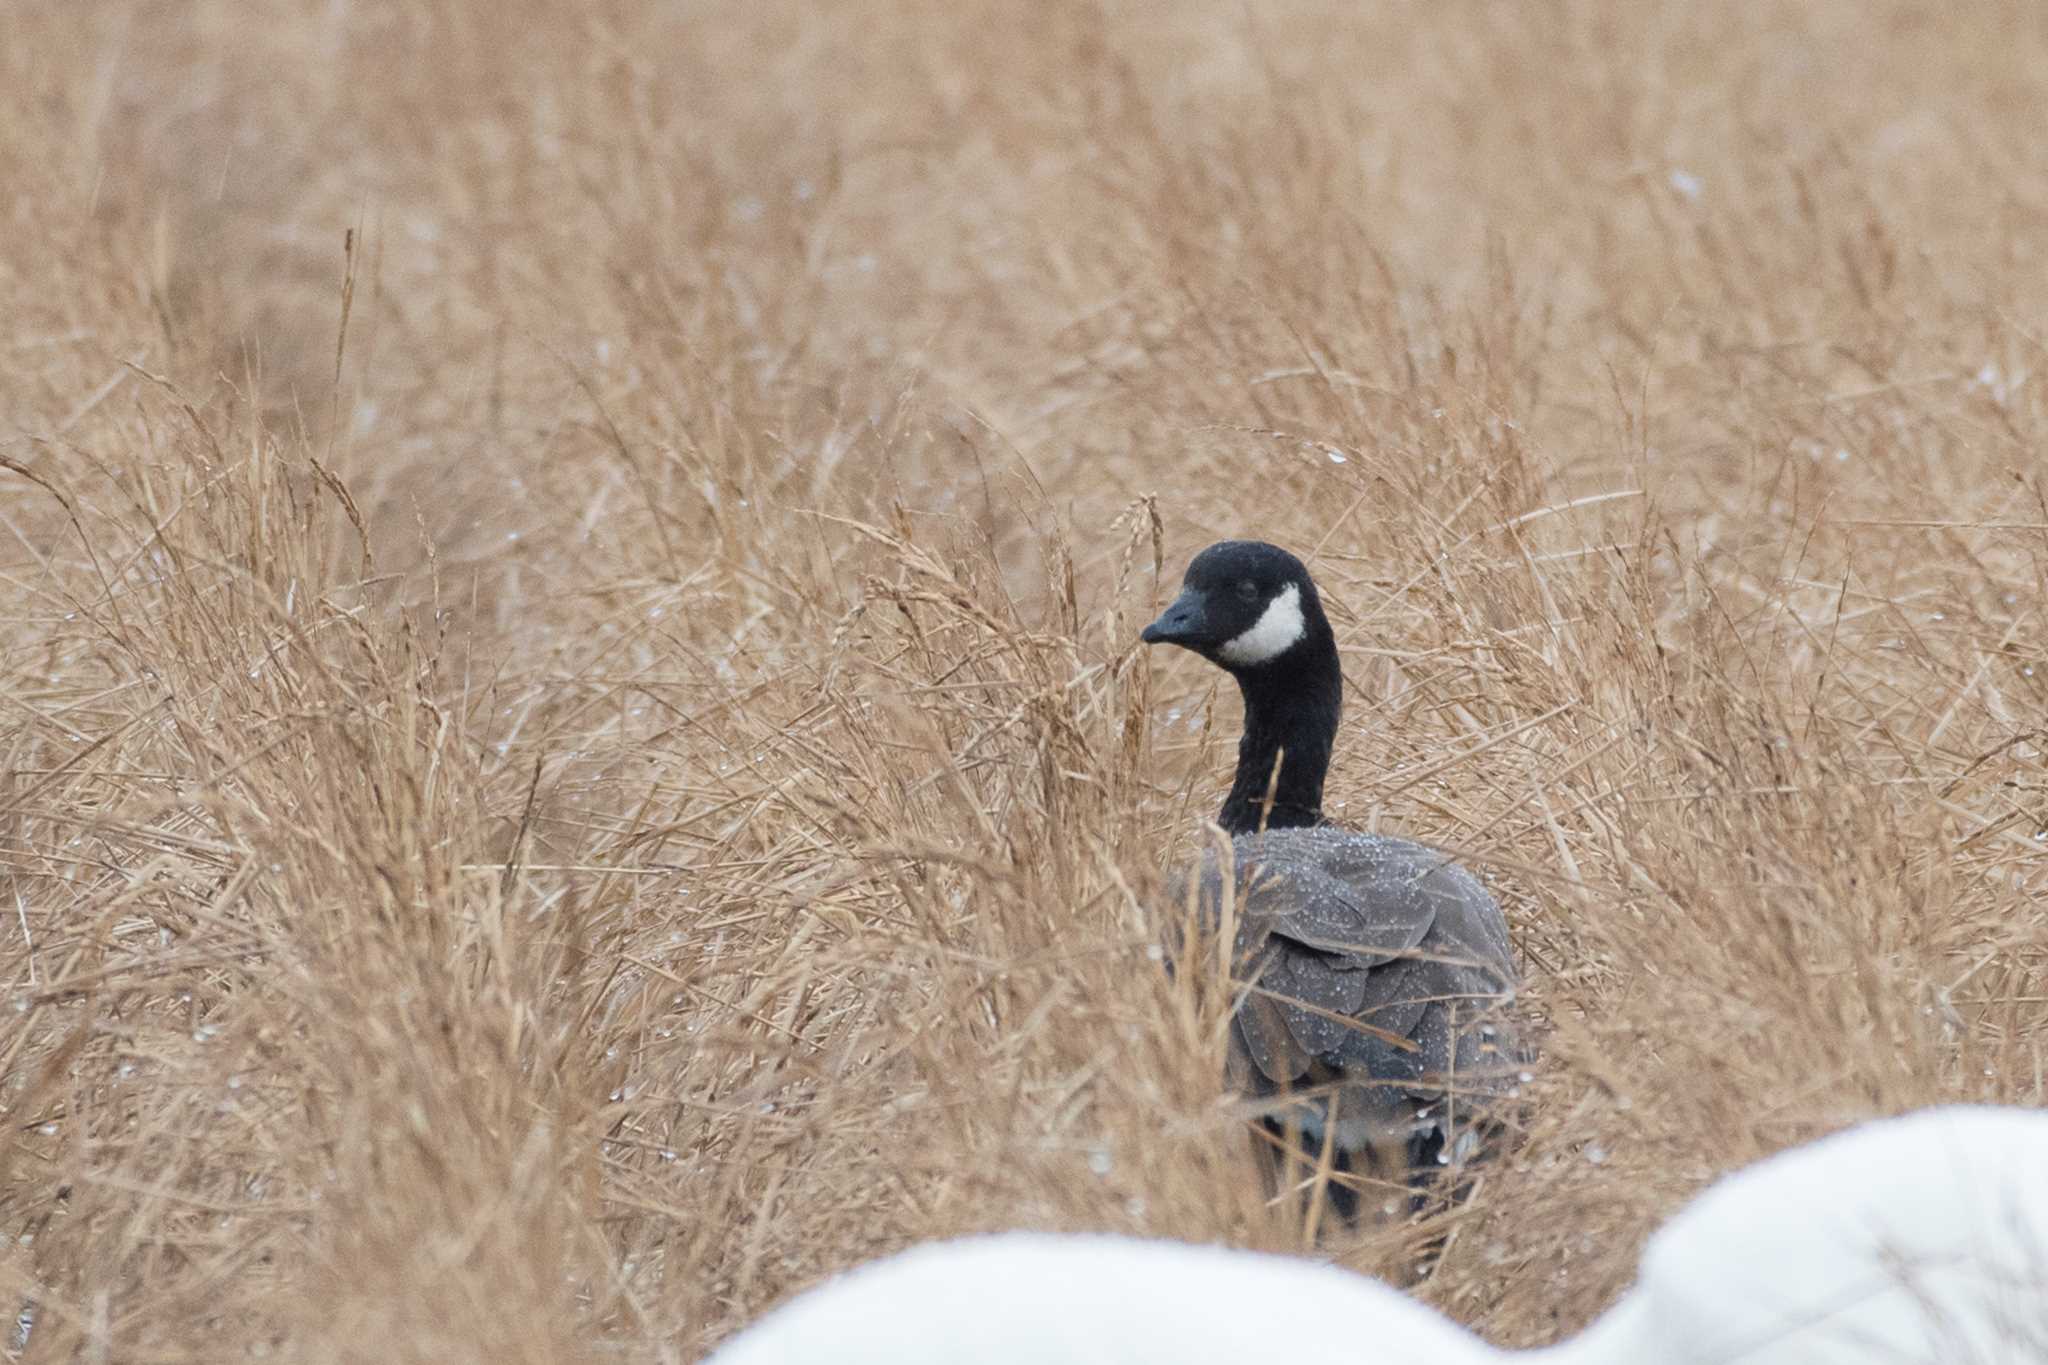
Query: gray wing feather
{"points": [[1262, 1029], [1375, 963], [1396, 997], [1355, 913]]}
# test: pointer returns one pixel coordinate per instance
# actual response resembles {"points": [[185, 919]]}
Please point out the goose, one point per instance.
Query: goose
{"points": [[1920, 1240], [1380, 971]]}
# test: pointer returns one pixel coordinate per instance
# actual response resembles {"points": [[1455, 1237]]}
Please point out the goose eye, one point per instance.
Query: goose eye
{"points": [[1248, 591]]}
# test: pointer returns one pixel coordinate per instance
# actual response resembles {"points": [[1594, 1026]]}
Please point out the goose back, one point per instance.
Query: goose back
{"points": [[1377, 977]]}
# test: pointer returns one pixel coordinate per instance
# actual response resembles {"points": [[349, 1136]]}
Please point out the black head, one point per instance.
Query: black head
{"points": [[1243, 605], [1250, 608]]}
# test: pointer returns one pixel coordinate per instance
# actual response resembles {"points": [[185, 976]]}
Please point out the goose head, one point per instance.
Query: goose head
{"points": [[1244, 606]]}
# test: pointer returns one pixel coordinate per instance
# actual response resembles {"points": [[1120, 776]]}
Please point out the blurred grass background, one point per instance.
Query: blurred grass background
{"points": [[572, 750]]}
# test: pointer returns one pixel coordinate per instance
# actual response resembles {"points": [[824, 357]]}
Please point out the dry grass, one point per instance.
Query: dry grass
{"points": [[581, 764]]}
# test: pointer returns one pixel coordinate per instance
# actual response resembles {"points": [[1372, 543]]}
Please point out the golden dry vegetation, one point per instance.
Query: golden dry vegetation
{"points": [[572, 750]]}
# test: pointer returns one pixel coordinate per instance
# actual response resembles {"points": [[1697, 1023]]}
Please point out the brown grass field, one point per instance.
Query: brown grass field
{"points": [[573, 752]]}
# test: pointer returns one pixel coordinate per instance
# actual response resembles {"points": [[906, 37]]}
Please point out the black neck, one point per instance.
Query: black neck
{"points": [[1290, 723]]}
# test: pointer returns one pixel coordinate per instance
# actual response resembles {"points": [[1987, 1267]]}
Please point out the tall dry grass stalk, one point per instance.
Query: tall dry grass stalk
{"points": [[573, 768]]}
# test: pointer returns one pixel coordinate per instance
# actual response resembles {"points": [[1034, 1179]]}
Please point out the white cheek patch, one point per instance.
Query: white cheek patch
{"points": [[1278, 629]]}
